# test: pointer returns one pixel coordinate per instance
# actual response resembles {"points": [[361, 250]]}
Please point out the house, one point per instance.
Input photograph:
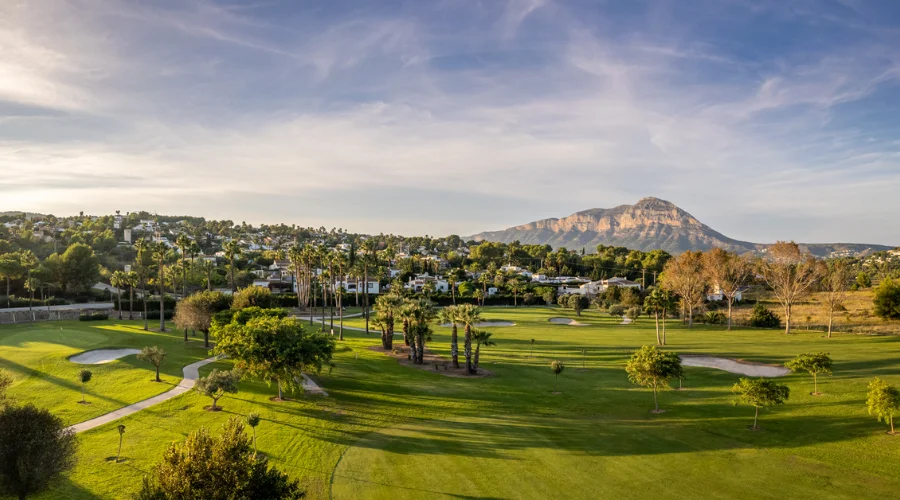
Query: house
{"points": [[353, 286], [280, 265], [275, 285], [592, 288], [418, 282], [517, 270], [717, 294]]}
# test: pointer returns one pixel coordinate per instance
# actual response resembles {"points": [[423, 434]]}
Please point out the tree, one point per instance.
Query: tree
{"points": [[80, 266], [790, 274], [184, 244], [883, 401], [684, 275], [556, 367], [481, 338], [35, 448], [196, 312], [84, 376], [760, 393], [659, 301], [29, 263], [217, 384], [728, 273], [10, 268], [762, 317], [650, 367], [253, 421], [232, 251], [633, 313], [887, 300], [159, 255], [153, 355], [448, 315], [5, 382], [814, 363], [863, 280], [275, 349], [468, 316], [253, 296], [516, 286], [141, 247], [387, 308], [121, 429], [835, 282], [230, 469], [578, 303], [118, 280]]}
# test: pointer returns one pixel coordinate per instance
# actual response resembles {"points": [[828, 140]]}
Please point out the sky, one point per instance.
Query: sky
{"points": [[764, 119]]}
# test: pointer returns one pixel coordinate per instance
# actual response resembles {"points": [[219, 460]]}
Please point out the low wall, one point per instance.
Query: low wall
{"points": [[13, 317]]}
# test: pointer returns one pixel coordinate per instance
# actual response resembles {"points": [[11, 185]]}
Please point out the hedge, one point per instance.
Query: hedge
{"points": [[96, 316]]}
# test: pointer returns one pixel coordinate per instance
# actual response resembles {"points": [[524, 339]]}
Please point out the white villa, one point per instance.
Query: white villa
{"points": [[417, 283], [597, 287]]}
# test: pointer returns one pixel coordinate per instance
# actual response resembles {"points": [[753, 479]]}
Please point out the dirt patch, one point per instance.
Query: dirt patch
{"points": [[433, 363], [657, 411], [736, 366], [566, 321], [276, 399], [210, 408]]}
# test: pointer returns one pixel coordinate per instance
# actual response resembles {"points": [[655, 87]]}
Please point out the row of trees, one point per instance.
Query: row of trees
{"points": [[790, 274]]}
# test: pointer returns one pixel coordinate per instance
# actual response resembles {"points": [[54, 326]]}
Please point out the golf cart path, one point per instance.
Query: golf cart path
{"points": [[191, 374]]}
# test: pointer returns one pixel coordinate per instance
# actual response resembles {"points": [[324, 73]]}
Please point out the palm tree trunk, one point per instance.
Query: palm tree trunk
{"points": [[730, 301], [130, 300], [454, 346], [366, 295], [468, 349], [453, 294], [119, 293], [162, 296], [755, 418], [420, 345], [658, 339], [144, 300]]}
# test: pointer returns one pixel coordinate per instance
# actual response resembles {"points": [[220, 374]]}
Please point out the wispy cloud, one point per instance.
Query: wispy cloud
{"points": [[520, 110]]}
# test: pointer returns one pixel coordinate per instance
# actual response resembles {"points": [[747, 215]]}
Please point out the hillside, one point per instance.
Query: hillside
{"points": [[649, 224]]}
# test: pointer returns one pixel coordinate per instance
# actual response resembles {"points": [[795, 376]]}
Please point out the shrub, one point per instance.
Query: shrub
{"points": [[251, 296], [154, 314], [715, 317], [94, 316], [887, 300], [617, 310], [762, 317]]}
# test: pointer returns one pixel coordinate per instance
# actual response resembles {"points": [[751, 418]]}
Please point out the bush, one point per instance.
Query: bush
{"points": [[887, 300], [253, 296], [94, 316], [617, 310], [762, 317], [715, 317], [154, 314]]}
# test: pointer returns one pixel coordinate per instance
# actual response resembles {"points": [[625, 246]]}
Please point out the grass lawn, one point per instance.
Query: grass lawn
{"points": [[389, 431]]}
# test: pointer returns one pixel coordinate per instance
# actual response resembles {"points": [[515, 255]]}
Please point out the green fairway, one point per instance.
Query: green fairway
{"points": [[389, 431]]}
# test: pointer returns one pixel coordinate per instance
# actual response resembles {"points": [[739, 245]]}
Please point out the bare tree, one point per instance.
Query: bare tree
{"points": [[684, 275], [790, 273], [835, 282], [727, 273]]}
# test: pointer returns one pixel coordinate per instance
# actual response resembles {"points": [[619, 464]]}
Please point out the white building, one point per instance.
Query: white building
{"points": [[597, 287], [517, 270], [417, 283]]}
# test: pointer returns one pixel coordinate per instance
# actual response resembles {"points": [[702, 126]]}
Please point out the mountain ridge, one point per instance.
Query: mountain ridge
{"points": [[649, 224]]}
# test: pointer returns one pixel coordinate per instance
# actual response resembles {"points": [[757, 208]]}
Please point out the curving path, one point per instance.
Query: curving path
{"points": [[191, 374]]}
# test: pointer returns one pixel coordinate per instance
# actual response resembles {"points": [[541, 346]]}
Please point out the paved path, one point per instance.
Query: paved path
{"points": [[191, 374], [92, 305]]}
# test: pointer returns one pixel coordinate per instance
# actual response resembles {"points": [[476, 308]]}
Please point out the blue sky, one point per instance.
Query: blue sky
{"points": [[765, 119]]}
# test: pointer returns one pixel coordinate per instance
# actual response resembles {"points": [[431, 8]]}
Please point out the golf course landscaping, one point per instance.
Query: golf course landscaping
{"points": [[389, 431]]}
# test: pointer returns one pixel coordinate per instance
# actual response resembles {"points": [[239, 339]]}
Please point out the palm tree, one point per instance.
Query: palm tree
{"points": [[484, 279], [207, 267], [118, 280], [482, 338], [141, 246], [340, 260], [295, 254], [515, 285], [387, 308], [194, 250], [232, 250], [368, 250], [184, 244], [29, 262], [449, 315], [131, 279], [468, 316], [159, 255]]}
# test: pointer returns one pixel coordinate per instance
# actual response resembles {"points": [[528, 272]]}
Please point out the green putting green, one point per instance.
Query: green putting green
{"points": [[389, 431]]}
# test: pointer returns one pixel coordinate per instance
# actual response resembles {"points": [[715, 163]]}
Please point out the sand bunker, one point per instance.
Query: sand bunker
{"points": [[734, 366], [102, 356], [566, 321], [486, 324]]}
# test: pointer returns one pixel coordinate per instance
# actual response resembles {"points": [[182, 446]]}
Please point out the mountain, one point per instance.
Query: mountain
{"points": [[649, 224]]}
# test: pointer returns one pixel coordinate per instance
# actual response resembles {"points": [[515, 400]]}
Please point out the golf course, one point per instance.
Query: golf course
{"points": [[387, 430]]}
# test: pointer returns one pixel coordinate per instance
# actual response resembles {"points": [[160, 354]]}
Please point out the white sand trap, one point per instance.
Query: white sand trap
{"points": [[486, 324], [102, 356], [626, 321], [566, 321], [733, 366]]}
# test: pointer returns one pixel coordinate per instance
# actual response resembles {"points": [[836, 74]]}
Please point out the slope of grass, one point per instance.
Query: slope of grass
{"points": [[388, 431], [37, 357]]}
